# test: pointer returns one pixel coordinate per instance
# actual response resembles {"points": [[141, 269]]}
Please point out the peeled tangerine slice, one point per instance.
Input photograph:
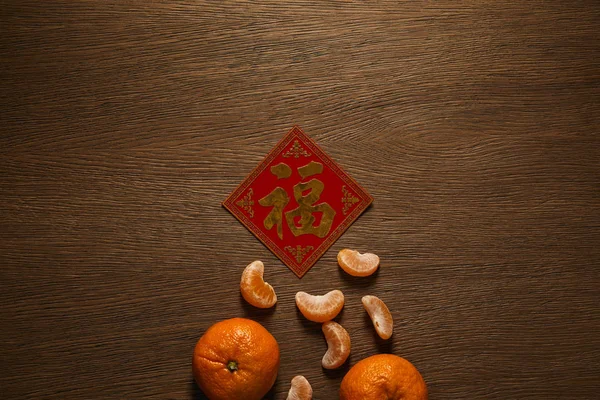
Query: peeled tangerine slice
{"points": [[300, 390], [320, 308], [380, 315], [254, 289], [357, 264], [338, 345]]}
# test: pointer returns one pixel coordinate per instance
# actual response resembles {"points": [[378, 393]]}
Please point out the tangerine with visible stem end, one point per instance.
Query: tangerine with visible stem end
{"points": [[236, 359]]}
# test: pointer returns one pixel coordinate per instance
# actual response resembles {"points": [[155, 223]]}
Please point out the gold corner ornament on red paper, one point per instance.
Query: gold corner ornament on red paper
{"points": [[298, 201]]}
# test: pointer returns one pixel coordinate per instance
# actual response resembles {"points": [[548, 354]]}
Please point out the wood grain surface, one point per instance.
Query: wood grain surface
{"points": [[474, 125]]}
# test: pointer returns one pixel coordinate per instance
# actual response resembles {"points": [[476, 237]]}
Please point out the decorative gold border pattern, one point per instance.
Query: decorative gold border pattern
{"points": [[296, 151], [348, 200], [246, 203], [298, 252]]}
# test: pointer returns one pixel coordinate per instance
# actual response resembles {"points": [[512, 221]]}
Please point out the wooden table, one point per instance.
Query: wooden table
{"points": [[474, 125]]}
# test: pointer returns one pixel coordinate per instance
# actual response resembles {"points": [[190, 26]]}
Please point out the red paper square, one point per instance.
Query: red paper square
{"points": [[298, 201]]}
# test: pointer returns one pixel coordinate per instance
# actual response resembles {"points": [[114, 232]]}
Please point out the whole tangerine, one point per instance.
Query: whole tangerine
{"points": [[383, 376], [236, 359]]}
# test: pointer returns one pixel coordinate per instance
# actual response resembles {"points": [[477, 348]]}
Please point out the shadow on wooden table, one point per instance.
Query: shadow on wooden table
{"points": [[195, 392], [359, 281], [338, 372], [314, 328], [260, 315]]}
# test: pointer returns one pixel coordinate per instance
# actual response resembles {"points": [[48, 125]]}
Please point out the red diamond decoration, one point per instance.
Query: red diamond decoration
{"points": [[298, 201]]}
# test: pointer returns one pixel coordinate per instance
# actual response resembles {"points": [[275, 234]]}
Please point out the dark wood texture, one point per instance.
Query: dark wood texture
{"points": [[474, 125]]}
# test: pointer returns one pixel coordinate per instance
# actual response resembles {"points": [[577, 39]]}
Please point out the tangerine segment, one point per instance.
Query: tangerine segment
{"points": [[357, 264], [254, 289], [383, 376], [300, 390], [380, 315], [338, 345], [320, 308]]}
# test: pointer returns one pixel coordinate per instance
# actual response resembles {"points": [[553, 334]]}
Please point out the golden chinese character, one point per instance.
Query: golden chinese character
{"points": [[277, 199], [306, 208], [310, 169], [281, 171]]}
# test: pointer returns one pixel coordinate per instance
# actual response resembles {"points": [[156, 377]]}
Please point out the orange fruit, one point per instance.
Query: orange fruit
{"points": [[383, 376], [300, 390], [254, 289], [338, 345], [357, 264], [236, 359], [320, 308], [380, 315]]}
